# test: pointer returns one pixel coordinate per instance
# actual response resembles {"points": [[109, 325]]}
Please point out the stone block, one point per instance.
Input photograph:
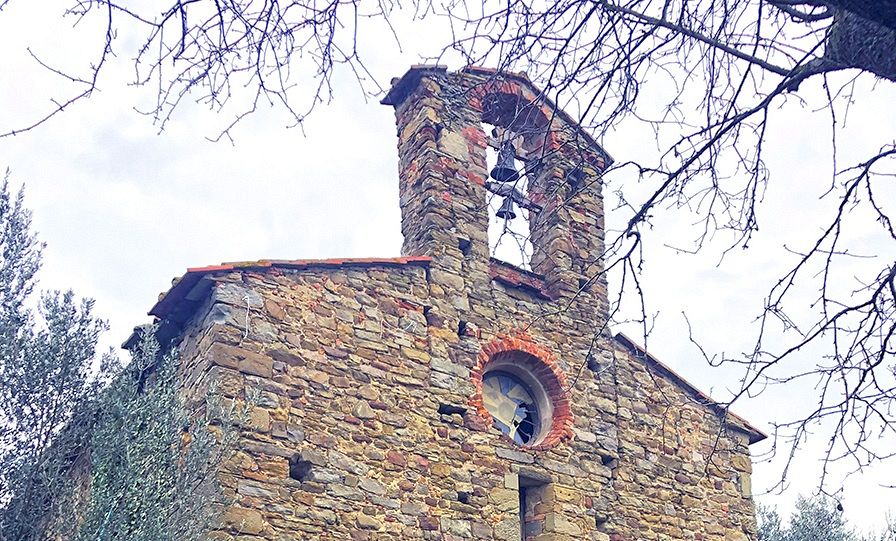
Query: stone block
{"points": [[511, 481], [366, 522], [746, 486], [460, 528], [563, 494], [256, 490], [369, 485], [454, 144], [260, 420], [742, 463], [243, 520], [508, 529], [362, 410], [557, 523]]}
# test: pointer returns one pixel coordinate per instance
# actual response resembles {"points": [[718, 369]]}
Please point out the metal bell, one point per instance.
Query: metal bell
{"points": [[505, 169], [506, 211]]}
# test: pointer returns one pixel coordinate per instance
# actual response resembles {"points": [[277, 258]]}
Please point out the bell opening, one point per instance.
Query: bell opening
{"points": [[508, 224]]}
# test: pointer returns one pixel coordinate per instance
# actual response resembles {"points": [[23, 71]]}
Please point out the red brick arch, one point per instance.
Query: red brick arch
{"points": [[541, 363], [516, 92], [499, 100]]}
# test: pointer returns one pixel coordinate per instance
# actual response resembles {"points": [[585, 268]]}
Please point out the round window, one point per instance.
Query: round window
{"points": [[521, 390], [511, 405]]}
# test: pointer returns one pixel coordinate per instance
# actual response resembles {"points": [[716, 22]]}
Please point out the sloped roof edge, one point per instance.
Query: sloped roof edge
{"points": [[185, 284], [732, 419], [404, 85]]}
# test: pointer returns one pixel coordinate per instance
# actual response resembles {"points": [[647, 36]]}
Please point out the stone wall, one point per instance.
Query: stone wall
{"points": [[364, 378], [347, 371]]}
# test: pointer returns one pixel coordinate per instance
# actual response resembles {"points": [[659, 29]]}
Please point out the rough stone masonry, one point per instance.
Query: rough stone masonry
{"points": [[378, 387]]}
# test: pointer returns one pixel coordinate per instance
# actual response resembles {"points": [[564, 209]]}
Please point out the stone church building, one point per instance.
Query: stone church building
{"points": [[447, 395]]}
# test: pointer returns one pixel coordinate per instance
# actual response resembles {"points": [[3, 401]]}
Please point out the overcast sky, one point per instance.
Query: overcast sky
{"points": [[124, 209]]}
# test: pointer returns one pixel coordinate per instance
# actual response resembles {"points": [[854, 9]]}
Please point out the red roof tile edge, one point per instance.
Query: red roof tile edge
{"points": [[194, 274], [754, 433]]}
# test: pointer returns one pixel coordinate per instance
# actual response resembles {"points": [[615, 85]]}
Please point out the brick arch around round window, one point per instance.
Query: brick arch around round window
{"points": [[524, 355]]}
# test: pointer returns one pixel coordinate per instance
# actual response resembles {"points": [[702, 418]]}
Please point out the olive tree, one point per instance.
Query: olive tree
{"points": [[92, 450], [813, 519], [818, 518], [45, 377]]}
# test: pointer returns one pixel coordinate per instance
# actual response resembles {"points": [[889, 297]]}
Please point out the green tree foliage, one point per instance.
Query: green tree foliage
{"points": [[816, 519], [45, 376], [813, 519], [770, 528], [93, 452], [150, 471], [889, 533]]}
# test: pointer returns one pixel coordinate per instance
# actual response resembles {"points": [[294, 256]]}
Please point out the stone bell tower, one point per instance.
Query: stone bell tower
{"points": [[443, 176], [444, 395]]}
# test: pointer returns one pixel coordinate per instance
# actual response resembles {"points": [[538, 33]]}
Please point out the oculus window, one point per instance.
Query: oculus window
{"points": [[512, 406]]}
